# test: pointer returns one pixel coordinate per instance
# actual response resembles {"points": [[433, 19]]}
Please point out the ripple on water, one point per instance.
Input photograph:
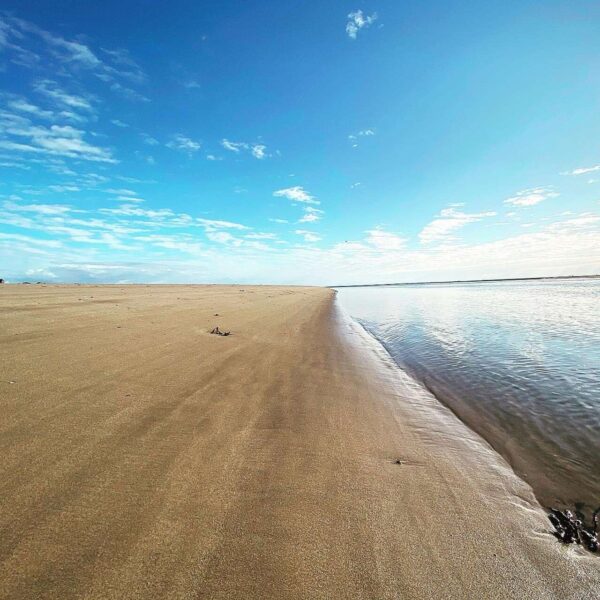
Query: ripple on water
{"points": [[518, 361]]}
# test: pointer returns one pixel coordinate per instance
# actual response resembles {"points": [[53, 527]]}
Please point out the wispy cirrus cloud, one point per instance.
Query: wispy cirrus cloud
{"points": [[261, 236], [583, 170], [64, 50], [296, 193], [62, 188], [121, 192], [183, 143], [311, 215], [357, 20], [131, 210], [40, 209], [232, 146], [22, 105], [257, 150], [84, 247], [124, 65], [17, 237], [353, 138], [191, 84], [18, 134], [531, 197], [148, 139], [51, 90], [217, 224], [128, 93], [443, 227], [308, 236], [385, 240], [70, 57]]}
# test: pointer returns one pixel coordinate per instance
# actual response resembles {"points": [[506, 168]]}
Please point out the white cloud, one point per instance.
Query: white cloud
{"points": [[40, 274], [309, 218], [232, 146], [148, 139], [256, 150], [261, 236], [55, 140], [296, 193], [127, 67], [128, 93], [42, 209], [311, 215], [531, 196], [51, 90], [64, 50], [181, 142], [565, 247], [181, 242], [222, 237], [216, 224], [584, 170], [128, 199], [68, 57], [64, 188], [448, 221], [119, 123], [353, 137], [23, 105], [280, 221], [582, 220], [121, 192], [14, 165], [309, 236], [357, 20], [72, 51], [132, 210], [384, 240]]}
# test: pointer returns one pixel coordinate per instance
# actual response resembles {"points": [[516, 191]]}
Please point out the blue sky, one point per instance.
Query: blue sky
{"points": [[298, 142]]}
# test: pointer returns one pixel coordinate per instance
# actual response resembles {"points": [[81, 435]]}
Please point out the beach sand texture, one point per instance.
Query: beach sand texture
{"points": [[143, 457]]}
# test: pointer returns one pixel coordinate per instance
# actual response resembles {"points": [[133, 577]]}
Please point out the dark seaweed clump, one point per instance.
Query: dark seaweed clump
{"points": [[217, 331], [571, 528]]}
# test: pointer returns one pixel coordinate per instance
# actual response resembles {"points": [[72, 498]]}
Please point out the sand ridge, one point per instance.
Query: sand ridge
{"points": [[145, 458]]}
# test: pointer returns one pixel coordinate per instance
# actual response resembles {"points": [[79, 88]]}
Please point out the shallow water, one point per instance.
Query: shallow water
{"points": [[519, 362]]}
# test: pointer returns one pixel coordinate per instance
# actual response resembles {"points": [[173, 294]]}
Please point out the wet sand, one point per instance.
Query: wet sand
{"points": [[143, 457]]}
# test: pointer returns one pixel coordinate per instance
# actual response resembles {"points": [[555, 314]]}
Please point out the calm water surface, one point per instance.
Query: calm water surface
{"points": [[519, 362]]}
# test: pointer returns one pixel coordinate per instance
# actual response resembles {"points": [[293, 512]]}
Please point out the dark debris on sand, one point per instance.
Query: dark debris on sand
{"points": [[217, 331], [571, 528]]}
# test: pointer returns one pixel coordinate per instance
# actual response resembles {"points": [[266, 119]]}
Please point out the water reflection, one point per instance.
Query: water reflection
{"points": [[517, 361]]}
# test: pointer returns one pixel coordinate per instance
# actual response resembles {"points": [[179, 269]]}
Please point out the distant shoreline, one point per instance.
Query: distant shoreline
{"points": [[466, 281]]}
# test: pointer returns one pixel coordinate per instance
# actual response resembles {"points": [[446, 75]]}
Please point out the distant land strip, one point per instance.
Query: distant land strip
{"points": [[466, 281]]}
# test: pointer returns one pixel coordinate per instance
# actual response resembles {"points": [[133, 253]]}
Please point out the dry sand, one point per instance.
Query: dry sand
{"points": [[145, 458]]}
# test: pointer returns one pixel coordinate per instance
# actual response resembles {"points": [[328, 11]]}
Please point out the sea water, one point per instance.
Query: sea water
{"points": [[519, 362]]}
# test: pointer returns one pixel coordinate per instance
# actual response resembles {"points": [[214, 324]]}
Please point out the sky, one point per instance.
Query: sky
{"points": [[314, 142]]}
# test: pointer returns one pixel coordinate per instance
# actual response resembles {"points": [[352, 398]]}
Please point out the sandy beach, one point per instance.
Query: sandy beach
{"points": [[143, 457]]}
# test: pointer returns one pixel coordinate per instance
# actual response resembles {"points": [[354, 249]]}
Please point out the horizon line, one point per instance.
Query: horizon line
{"points": [[499, 279]]}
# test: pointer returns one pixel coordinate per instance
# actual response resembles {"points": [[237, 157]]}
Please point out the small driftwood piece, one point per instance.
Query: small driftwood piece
{"points": [[217, 331], [571, 528]]}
